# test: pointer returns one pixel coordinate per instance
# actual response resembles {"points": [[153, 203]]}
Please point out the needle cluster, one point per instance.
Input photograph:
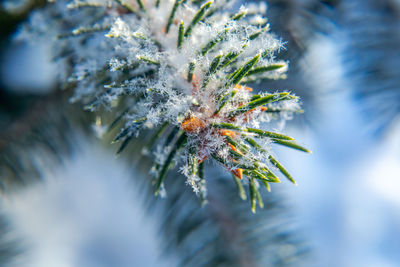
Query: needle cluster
{"points": [[181, 69]]}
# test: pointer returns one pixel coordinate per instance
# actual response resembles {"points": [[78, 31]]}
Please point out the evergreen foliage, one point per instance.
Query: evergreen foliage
{"points": [[179, 69]]}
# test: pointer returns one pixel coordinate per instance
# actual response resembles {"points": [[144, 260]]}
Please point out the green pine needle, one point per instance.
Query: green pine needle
{"points": [[242, 192], [225, 100], [238, 16], [124, 144], [202, 193], [84, 30], [291, 144], [231, 164], [254, 144], [197, 18], [141, 6], [267, 186], [168, 162], [281, 168], [118, 119], [262, 133], [262, 101], [172, 14], [160, 131], [212, 70], [241, 72], [126, 6], [229, 58], [235, 143], [210, 45], [258, 33], [180, 34], [191, 69], [263, 69], [128, 130], [253, 195], [228, 126], [148, 60]]}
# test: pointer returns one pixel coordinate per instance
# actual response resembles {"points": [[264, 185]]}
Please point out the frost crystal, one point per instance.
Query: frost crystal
{"points": [[182, 69]]}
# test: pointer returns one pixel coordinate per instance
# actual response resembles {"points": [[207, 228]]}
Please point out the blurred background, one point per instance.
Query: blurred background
{"points": [[66, 200]]}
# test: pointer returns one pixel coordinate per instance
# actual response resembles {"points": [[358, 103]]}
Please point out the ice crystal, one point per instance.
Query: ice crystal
{"points": [[182, 69]]}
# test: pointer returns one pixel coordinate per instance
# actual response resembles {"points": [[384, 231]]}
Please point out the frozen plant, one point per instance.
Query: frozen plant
{"points": [[181, 69]]}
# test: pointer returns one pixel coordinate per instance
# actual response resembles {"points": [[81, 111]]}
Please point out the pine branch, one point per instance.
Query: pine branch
{"points": [[184, 77]]}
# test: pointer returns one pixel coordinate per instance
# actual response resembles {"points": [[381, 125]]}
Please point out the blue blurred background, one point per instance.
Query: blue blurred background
{"points": [[344, 63]]}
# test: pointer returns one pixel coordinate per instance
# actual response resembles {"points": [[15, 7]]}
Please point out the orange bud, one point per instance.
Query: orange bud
{"points": [[200, 160], [238, 173], [192, 125], [251, 111], [195, 83], [228, 133], [241, 87], [233, 147]]}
